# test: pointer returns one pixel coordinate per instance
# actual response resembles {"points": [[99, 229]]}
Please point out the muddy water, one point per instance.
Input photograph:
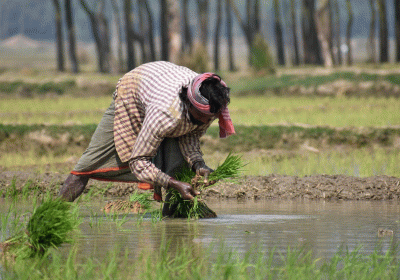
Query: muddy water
{"points": [[323, 227]]}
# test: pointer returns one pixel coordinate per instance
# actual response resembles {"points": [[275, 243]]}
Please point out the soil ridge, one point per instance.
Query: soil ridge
{"points": [[272, 186]]}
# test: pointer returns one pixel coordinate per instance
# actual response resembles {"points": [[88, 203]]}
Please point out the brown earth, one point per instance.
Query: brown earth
{"points": [[327, 187]]}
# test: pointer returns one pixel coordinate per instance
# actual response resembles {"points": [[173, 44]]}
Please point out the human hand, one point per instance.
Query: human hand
{"points": [[202, 169], [185, 189]]}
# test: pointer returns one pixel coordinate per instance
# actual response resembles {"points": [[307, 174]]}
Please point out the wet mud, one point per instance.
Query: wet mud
{"points": [[326, 187]]}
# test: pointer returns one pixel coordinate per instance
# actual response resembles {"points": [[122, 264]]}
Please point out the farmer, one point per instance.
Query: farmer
{"points": [[152, 129]]}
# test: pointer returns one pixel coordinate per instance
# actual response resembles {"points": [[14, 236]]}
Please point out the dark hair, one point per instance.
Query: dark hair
{"points": [[216, 93], [212, 89]]}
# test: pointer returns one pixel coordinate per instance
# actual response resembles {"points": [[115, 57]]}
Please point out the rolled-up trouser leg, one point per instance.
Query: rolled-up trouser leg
{"points": [[73, 187]]}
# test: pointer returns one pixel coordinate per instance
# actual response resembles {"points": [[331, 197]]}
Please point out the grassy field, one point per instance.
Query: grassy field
{"points": [[250, 110], [263, 114]]}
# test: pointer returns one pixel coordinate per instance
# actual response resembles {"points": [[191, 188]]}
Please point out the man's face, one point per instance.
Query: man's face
{"points": [[198, 118]]}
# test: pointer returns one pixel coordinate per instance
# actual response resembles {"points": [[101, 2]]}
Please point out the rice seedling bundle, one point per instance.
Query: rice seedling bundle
{"points": [[49, 226], [197, 208]]}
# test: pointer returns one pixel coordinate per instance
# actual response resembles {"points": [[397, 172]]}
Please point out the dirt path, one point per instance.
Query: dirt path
{"points": [[248, 187]]}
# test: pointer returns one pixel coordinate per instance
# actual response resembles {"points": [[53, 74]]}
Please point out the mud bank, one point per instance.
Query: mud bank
{"points": [[326, 187]]}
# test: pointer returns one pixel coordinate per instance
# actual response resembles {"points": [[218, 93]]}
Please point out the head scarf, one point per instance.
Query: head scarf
{"points": [[202, 104]]}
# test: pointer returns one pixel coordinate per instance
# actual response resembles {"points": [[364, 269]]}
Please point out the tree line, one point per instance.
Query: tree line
{"points": [[305, 31]]}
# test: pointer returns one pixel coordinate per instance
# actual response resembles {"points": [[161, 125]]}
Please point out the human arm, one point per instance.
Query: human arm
{"points": [[155, 127], [190, 147]]}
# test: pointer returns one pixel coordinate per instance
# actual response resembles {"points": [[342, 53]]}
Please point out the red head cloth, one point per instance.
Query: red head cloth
{"points": [[202, 104]]}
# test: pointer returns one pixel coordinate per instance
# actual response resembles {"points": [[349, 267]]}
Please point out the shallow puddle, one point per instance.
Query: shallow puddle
{"points": [[323, 227]]}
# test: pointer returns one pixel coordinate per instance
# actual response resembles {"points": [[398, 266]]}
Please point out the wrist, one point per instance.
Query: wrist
{"points": [[171, 183], [197, 165]]}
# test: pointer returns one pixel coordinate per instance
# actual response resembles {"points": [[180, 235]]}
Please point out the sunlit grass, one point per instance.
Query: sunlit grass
{"points": [[359, 162], [23, 160], [251, 110], [337, 112], [59, 110]]}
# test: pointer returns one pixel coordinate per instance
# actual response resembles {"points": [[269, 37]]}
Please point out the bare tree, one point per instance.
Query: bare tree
{"points": [[279, 34], [229, 35], [164, 30], [348, 32], [397, 28], [187, 40], [311, 46], [217, 34], [100, 31], [294, 32], [59, 36], [202, 7], [324, 24], [143, 31], [383, 32], [71, 36], [371, 38], [129, 34], [249, 26], [174, 34], [118, 23], [337, 36], [149, 29]]}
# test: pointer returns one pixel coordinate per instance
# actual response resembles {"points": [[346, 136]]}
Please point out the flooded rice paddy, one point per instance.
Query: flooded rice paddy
{"points": [[321, 226]]}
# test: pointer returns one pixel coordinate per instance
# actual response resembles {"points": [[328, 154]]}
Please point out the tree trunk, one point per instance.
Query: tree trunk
{"points": [[383, 32], [294, 32], [397, 28], [202, 7], [129, 36], [279, 34], [246, 26], [117, 19], [59, 36], [174, 34], [71, 36], [338, 37], [187, 42], [150, 31], [164, 30], [143, 31], [312, 50], [371, 38], [257, 17], [217, 35], [229, 35], [348, 33], [324, 25], [100, 33]]}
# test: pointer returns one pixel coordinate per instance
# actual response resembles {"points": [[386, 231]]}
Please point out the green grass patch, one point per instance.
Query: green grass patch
{"points": [[251, 85], [39, 88], [327, 111], [187, 263], [250, 110], [359, 163]]}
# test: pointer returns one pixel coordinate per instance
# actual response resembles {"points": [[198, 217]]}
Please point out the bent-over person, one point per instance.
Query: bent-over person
{"points": [[152, 129]]}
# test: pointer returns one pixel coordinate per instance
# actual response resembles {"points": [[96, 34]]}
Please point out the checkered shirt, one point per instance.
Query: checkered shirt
{"points": [[147, 110]]}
